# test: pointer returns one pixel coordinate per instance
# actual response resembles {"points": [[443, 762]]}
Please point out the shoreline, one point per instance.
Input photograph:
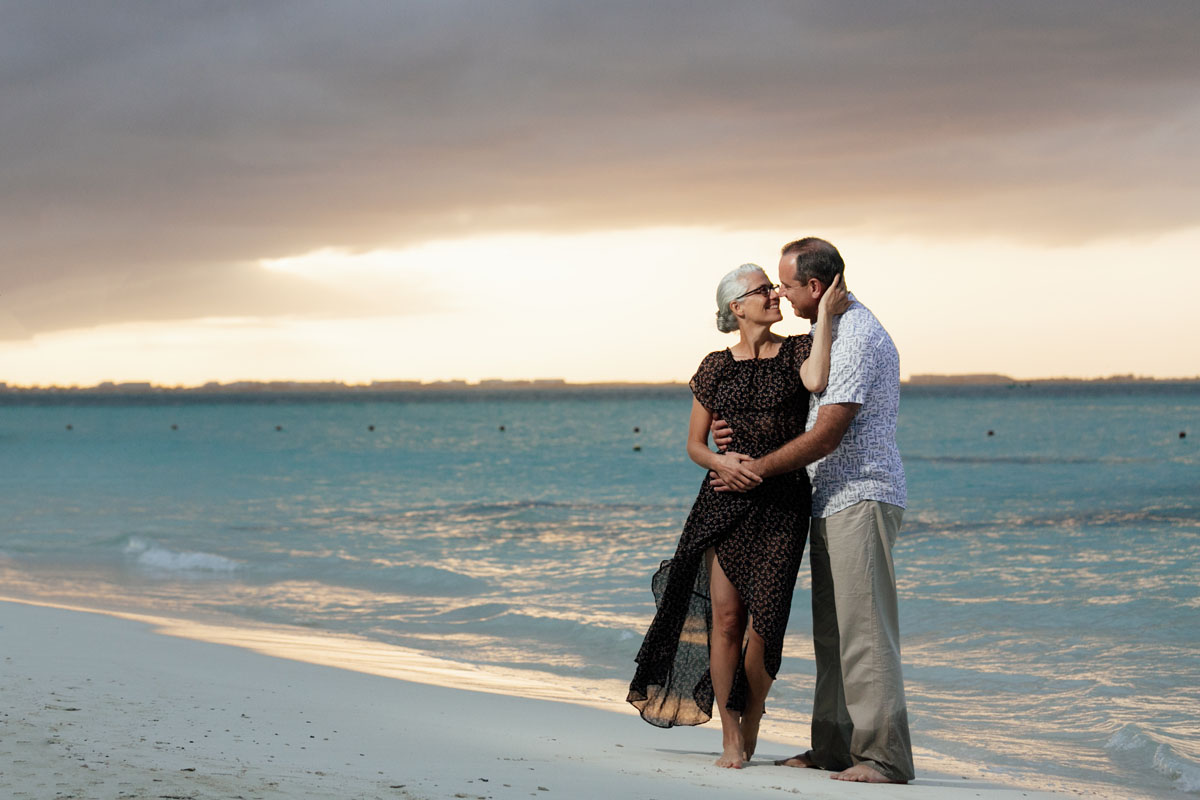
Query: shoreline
{"points": [[123, 704]]}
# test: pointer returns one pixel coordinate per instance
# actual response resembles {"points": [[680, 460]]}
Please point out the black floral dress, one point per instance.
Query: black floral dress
{"points": [[759, 537]]}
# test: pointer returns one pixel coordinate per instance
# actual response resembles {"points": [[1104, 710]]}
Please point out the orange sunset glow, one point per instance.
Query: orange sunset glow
{"points": [[464, 190]]}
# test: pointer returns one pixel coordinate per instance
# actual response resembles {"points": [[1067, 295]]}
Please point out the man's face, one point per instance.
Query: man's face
{"points": [[804, 297]]}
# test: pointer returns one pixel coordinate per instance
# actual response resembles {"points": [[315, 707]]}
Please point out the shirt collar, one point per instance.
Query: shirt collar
{"points": [[837, 320]]}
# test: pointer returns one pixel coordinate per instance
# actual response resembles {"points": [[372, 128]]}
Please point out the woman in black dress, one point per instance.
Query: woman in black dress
{"points": [[724, 598]]}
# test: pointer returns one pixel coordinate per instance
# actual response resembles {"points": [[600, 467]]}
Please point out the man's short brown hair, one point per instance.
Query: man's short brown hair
{"points": [[815, 258]]}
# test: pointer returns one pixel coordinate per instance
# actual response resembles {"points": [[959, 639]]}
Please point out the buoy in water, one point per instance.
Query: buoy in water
{"points": [[174, 427], [991, 433], [370, 427], [502, 429], [278, 427], [70, 427], [637, 448], [1183, 434], [636, 429]]}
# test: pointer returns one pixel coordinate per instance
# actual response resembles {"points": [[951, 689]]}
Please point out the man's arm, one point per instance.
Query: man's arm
{"points": [[833, 421]]}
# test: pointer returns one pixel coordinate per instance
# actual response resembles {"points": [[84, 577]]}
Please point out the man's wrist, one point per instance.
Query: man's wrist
{"points": [[767, 466]]}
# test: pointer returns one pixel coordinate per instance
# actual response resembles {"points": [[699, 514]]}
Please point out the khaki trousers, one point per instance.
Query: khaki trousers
{"points": [[859, 712]]}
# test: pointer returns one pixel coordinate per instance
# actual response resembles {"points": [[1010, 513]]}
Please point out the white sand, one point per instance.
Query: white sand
{"points": [[96, 706]]}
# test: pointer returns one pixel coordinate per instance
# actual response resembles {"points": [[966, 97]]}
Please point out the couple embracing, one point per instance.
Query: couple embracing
{"points": [[790, 465]]}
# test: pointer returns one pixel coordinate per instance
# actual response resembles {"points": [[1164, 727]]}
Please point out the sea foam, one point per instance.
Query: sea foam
{"points": [[1182, 772], [153, 557]]}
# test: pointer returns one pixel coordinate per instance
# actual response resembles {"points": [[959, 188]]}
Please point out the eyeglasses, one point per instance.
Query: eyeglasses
{"points": [[765, 290]]}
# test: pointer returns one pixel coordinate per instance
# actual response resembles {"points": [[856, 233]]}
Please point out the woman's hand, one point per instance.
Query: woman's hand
{"points": [[732, 472], [834, 301]]}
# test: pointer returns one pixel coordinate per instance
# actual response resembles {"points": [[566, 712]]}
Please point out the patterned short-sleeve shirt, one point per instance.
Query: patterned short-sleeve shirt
{"points": [[864, 368]]}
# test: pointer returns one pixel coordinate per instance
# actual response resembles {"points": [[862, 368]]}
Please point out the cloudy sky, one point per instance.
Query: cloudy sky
{"points": [[361, 191]]}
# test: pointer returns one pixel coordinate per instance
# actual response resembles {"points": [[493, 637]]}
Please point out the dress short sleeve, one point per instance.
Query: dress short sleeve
{"points": [[802, 347], [704, 383]]}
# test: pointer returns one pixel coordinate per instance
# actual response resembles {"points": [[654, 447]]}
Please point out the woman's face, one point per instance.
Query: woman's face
{"points": [[760, 301]]}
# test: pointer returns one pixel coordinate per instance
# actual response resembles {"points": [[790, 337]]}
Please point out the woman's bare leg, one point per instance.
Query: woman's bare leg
{"points": [[760, 684], [725, 651]]}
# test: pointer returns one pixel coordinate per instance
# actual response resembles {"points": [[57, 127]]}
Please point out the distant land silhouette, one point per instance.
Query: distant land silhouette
{"points": [[491, 386]]}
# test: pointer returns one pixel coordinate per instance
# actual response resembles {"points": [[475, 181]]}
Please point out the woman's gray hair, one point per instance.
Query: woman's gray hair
{"points": [[730, 287]]}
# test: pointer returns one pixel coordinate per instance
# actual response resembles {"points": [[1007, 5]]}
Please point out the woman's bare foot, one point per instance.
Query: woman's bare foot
{"points": [[863, 773], [803, 760], [731, 758], [732, 746], [750, 722]]}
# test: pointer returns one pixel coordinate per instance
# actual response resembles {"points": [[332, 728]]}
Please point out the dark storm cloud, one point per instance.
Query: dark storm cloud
{"points": [[156, 150]]}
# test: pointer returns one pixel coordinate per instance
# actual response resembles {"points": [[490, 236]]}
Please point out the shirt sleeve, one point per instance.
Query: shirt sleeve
{"points": [[851, 370]]}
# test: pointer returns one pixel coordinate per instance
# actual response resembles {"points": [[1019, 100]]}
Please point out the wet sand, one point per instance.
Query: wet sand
{"points": [[97, 706]]}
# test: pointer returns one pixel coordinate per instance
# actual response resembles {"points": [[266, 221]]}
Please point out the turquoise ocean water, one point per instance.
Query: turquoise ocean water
{"points": [[1049, 573]]}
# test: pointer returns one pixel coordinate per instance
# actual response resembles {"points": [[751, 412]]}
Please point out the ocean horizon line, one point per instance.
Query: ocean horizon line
{"points": [[520, 385]]}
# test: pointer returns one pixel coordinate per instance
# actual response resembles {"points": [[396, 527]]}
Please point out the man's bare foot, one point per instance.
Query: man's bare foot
{"points": [[863, 773], [803, 760], [750, 723], [731, 758]]}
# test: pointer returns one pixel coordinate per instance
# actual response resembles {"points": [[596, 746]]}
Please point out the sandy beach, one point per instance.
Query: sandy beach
{"points": [[97, 706]]}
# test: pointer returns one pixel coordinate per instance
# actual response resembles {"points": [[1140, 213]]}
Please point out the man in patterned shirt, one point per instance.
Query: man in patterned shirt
{"points": [[860, 719]]}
